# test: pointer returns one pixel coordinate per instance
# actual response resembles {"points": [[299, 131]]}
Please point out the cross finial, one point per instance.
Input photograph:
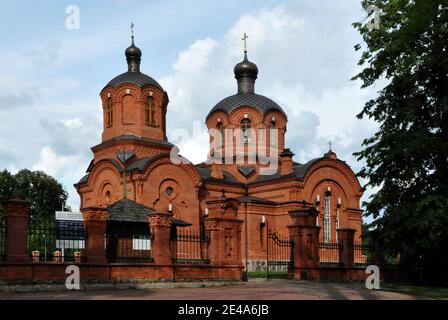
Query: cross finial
{"points": [[330, 145], [132, 31], [245, 36]]}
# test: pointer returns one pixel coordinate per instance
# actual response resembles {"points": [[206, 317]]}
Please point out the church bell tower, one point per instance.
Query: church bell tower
{"points": [[133, 102]]}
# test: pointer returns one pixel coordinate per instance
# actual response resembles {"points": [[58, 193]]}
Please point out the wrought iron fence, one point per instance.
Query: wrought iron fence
{"points": [[190, 246], [363, 254], [51, 242], [2, 240], [280, 255], [129, 242], [329, 253]]}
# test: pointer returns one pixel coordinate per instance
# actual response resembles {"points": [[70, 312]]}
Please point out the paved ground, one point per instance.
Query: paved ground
{"points": [[257, 289]]}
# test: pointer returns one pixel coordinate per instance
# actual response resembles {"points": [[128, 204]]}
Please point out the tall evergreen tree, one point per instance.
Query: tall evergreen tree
{"points": [[407, 159]]}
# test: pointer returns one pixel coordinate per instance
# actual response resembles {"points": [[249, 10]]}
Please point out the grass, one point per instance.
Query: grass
{"points": [[257, 274], [439, 293]]}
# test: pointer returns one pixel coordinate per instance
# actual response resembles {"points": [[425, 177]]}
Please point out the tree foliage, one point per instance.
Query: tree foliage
{"points": [[43, 191], [407, 159]]}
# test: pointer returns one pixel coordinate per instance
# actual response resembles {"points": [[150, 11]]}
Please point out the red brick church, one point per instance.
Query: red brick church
{"points": [[134, 163]]}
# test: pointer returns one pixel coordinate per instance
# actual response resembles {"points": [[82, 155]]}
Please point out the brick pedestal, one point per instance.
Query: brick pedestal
{"points": [[225, 240], [160, 223], [16, 242], [305, 235], [95, 225], [346, 237]]}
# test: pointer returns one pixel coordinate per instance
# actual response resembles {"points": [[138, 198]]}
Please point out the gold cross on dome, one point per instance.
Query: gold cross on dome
{"points": [[245, 36]]}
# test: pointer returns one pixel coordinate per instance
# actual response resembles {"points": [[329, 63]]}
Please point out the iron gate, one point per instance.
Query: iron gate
{"points": [[280, 256]]}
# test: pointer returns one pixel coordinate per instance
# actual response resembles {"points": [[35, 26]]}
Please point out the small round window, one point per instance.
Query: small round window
{"points": [[169, 191]]}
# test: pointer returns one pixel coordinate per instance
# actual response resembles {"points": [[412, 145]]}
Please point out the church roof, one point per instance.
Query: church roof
{"points": [[262, 103], [205, 173], [138, 78], [128, 210], [253, 199], [299, 171]]}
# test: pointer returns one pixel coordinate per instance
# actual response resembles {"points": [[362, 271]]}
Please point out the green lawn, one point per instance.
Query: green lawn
{"points": [[257, 274], [439, 293]]}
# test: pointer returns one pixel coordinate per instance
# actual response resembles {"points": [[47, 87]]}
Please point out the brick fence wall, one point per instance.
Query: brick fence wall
{"points": [[225, 257]]}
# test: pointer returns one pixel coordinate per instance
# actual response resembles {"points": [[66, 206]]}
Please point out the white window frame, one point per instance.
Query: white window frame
{"points": [[327, 220]]}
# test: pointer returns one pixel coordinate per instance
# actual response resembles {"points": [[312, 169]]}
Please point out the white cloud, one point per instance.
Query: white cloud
{"points": [[306, 59], [304, 50], [67, 169], [72, 123]]}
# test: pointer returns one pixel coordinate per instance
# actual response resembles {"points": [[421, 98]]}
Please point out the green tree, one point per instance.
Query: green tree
{"points": [[44, 192], [407, 159]]}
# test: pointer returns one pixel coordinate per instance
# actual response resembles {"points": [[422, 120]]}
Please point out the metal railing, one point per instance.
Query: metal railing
{"points": [[329, 253], [280, 255], [2, 240], [363, 254], [190, 247], [129, 242], [50, 242]]}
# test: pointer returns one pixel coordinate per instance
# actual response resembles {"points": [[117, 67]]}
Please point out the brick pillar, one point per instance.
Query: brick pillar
{"points": [[225, 240], [160, 224], [16, 243], [346, 237], [95, 225], [305, 235]]}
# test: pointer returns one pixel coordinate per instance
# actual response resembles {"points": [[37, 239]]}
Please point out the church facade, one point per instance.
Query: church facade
{"points": [[248, 162]]}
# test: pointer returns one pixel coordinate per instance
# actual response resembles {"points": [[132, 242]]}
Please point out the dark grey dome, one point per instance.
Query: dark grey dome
{"points": [[134, 77], [246, 69], [246, 73], [257, 101], [133, 51]]}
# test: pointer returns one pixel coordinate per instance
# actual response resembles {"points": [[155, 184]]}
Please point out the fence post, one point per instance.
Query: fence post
{"points": [[17, 213], [160, 224], [305, 235], [346, 237], [95, 225], [225, 240]]}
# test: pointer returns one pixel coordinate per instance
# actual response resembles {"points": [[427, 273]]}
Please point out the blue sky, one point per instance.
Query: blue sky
{"points": [[51, 76]]}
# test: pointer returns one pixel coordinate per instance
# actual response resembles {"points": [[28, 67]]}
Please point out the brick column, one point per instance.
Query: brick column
{"points": [[305, 235], [95, 225], [16, 243], [225, 240], [346, 237], [160, 224]]}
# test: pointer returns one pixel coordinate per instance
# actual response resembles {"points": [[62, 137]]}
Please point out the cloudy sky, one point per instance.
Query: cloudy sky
{"points": [[51, 76]]}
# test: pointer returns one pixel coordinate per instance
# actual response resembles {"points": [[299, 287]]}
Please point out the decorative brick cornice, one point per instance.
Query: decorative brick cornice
{"points": [[94, 214], [17, 207], [340, 166], [160, 219], [188, 167]]}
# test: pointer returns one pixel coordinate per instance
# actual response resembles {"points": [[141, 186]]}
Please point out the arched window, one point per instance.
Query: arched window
{"points": [[109, 113], [337, 222], [246, 126], [220, 129], [150, 112], [327, 233]]}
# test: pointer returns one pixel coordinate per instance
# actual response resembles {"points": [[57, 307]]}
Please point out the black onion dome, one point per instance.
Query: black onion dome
{"points": [[246, 73], [133, 75], [246, 69], [133, 51]]}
